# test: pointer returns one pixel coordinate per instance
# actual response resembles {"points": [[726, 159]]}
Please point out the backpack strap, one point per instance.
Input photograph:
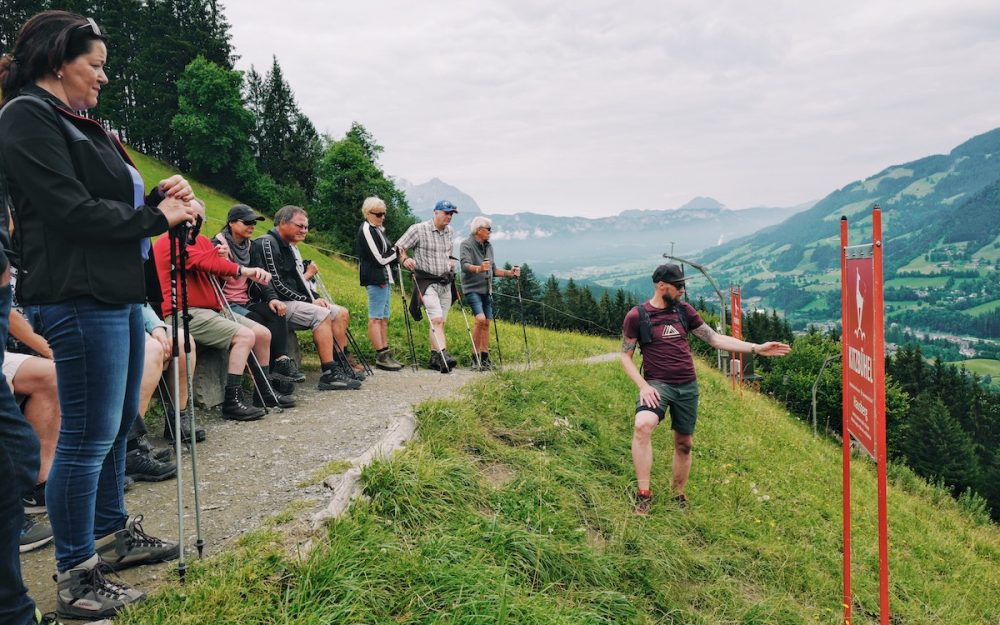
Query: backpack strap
{"points": [[646, 325]]}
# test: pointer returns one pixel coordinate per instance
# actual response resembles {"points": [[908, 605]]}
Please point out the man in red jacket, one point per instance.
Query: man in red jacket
{"points": [[209, 327]]}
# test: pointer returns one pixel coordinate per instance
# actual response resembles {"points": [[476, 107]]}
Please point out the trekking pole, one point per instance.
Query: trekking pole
{"points": [[175, 238], [477, 360], [406, 319], [496, 328], [186, 316], [524, 329], [325, 293], [219, 295], [430, 325]]}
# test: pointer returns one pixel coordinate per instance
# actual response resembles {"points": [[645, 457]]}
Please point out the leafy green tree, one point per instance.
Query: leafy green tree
{"points": [[211, 124], [937, 448]]}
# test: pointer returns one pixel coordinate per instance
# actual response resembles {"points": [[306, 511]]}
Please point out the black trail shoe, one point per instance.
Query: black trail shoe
{"points": [[168, 429], [234, 406], [337, 379], [158, 453], [452, 363], [273, 400], [35, 502], [142, 467], [85, 593], [286, 368], [131, 546]]}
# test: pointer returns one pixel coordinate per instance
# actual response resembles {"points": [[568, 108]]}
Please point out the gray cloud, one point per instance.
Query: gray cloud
{"points": [[593, 107]]}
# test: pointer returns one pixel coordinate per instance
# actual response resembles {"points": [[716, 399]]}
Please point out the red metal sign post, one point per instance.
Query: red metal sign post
{"points": [[863, 380], [736, 359]]}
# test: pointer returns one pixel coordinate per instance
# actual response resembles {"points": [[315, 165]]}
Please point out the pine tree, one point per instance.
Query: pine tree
{"points": [[936, 447]]}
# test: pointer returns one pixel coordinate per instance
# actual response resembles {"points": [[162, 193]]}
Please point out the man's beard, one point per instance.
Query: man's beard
{"points": [[671, 301]]}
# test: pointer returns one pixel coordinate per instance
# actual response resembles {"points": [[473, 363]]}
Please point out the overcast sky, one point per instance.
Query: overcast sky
{"points": [[590, 107]]}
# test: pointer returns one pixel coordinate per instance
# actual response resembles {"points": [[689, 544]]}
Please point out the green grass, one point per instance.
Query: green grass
{"points": [[982, 366], [341, 276], [915, 282], [986, 307], [514, 507]]}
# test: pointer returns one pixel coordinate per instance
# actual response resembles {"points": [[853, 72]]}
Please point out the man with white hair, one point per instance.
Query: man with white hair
{"points": [[478, 271]]}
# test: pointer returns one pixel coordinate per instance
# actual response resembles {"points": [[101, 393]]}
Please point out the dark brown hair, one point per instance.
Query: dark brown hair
{"points": [[46, 42]]}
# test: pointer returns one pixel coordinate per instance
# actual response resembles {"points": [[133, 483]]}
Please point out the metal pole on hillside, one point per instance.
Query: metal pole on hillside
{"points": [[722, 300], [816, 385]]}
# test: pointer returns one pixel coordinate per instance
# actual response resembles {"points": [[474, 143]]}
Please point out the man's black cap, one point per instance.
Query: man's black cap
{"points": [[668, 273], [242, 212]]}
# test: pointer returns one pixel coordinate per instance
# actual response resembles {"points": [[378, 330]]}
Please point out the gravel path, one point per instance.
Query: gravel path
{"points": [[251, 471]]}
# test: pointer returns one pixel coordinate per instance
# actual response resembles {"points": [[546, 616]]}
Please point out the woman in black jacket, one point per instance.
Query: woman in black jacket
{"points": [[81, 232], [378, 260]]}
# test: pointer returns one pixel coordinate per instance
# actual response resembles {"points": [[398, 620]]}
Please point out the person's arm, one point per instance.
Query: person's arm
{"points": [[21, 330], [382, 258], [648, 395], [466, 254], [730, 344], [403, 244], [203, 256], [35, 154]]}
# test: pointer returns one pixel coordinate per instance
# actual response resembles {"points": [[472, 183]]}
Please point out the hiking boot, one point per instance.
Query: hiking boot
{"points": [[50, 618], [385, 361], [643, 501], [337, 379], [142, 467], [273, 400], [486, 363], [681, 501], [234, 406], [355, 366], [437, 363], [35, 502], [448, 358], [168, 429], [286, 368], [84, 592], [162, 454], [130, 546], [281, 385], [34, 535]]}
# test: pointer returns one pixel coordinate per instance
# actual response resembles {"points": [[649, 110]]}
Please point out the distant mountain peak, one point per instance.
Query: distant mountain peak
{"points": [[703, 202]]}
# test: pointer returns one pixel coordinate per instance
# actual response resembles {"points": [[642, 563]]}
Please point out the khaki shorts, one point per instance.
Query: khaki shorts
{"points": [[212, 329], [308, 316], [437, 300], [12, 361]]}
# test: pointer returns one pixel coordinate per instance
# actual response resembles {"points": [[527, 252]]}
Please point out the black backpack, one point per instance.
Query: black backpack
{"points": [[646, 325]]}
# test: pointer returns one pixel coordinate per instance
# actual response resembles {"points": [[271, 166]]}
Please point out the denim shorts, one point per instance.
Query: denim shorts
{"points": [[480, 303], [378, 301]]}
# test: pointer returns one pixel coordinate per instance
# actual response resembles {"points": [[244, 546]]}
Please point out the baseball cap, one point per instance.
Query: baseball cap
{"points": [[446, 206], [242, 212], [668, 273]]}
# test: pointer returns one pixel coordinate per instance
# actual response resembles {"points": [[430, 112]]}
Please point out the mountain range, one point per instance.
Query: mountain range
{"points": [[602, 249]]}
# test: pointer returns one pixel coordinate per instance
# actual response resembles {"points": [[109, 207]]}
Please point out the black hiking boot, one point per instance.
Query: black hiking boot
{"points": [[276, 399], [142, 467], [485, 363], [168, 428], [156, 453], [280, 385], [234, 406], [338, 379], [286, 369], [448, 358], [436, 363]]}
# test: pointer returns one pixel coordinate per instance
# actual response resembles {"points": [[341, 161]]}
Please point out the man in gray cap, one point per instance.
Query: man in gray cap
{"points": [[660, 327], [432, 243]]}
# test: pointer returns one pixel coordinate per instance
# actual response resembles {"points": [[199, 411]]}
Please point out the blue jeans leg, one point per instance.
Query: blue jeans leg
{"points": [[98, 350], [19, 465]]}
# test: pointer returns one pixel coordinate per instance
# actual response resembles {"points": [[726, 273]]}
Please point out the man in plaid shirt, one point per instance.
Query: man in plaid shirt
{"points": [[432, 243]]}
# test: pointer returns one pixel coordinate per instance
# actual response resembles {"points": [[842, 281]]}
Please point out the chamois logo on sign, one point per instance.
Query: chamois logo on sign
{"points": [[859, 299], [669, 330]]}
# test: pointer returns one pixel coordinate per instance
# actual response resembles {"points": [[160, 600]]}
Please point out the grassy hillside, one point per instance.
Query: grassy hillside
{"points": [[341, 276], [514, 507]]}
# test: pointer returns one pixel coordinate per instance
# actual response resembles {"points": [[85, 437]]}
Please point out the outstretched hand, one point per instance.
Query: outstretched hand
{"points": [[773, 348]]}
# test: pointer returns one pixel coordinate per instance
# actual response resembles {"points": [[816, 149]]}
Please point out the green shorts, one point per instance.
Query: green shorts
{"points": [[681, 399], [212, 329]]}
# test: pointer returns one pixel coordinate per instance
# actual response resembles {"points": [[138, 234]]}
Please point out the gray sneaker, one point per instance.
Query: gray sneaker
{"points": [[85, 593], [50, 618], [34, 534], [385, 361], [131, 546]]}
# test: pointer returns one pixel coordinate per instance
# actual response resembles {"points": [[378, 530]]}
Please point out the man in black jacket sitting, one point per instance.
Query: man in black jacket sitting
{"points": [[277, 254]]}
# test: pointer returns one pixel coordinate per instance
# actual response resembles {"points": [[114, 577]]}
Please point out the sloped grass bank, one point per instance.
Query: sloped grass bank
{"points": [[514, 507]]}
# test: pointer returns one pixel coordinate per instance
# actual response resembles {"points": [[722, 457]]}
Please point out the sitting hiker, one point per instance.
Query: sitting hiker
{"points": [[235, 237], [32, 379], [276, 252], [211, 328]]}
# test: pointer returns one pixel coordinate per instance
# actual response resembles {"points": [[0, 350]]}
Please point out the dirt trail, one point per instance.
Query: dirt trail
{"points": [[251, 471]]}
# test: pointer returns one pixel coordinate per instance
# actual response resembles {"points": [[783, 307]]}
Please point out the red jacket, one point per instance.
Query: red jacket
{"points": [[203, 262]]}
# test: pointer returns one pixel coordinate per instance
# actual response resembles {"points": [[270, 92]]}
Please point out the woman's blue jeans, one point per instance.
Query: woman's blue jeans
{"points": [[99, 353]]}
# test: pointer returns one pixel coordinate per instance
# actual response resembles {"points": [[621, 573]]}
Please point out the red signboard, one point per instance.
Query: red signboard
{"points": [[859, 345], [736, 359], [863, 384]]}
